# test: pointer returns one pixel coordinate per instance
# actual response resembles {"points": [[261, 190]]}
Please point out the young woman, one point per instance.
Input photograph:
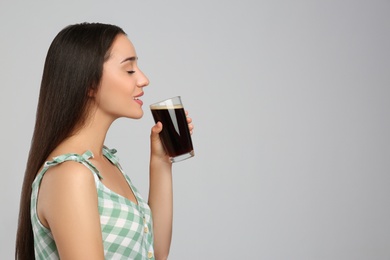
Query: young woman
{"points": [[76, 202]]}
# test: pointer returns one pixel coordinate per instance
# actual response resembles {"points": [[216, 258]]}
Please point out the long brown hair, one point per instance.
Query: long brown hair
{"points": [[73, 67]]}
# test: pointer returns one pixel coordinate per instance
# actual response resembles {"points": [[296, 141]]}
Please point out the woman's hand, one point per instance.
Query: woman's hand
{"points": [[190, 125], [157, 148]]}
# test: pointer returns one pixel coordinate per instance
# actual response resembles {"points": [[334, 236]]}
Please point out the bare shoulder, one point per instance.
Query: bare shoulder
{"points": [[69, 182], [68, 206], [66, 173]]}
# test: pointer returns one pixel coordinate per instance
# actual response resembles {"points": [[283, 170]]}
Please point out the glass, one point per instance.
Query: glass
{"points": [[175, 136]]}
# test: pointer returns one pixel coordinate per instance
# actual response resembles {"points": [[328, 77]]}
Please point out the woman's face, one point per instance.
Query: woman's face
{"points": [[121, 88]]}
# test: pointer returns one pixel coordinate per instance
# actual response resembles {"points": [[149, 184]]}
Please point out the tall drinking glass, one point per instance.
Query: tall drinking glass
{"points": [[175, 136]]}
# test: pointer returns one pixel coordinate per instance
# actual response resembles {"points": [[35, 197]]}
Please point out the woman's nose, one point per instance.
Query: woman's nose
{"points": [[142, 81]]}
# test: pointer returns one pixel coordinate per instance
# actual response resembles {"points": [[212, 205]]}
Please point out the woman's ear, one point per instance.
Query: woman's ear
{"points": [[91, 93]]}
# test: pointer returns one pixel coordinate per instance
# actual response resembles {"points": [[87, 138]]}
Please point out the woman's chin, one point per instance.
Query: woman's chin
{"points": [[136, 115]]}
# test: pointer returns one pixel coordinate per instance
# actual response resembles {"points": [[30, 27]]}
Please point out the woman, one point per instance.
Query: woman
{"points": [[76, 201]]}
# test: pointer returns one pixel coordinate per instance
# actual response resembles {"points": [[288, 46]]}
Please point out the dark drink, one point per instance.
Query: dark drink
{"points": [[175, 135]]}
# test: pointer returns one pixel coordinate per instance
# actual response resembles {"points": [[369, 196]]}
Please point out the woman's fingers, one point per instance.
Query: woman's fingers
{"points": [[189, 121]]}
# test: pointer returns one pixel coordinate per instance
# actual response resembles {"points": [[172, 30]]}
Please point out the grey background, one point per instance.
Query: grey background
{"points": [[290, 100]]}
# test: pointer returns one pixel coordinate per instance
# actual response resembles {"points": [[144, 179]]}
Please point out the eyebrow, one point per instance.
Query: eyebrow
{"points": [[133, 58]]}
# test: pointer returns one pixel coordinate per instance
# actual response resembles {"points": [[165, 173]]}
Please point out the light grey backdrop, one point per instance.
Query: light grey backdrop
{"points": [[290, 100]]}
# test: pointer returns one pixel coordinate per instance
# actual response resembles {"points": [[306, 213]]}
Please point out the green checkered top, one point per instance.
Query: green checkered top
{"points": [[126, 226]]}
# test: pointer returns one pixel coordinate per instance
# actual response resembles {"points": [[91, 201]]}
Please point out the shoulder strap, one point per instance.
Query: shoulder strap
{"points": [[83, 159], [110, 154]]}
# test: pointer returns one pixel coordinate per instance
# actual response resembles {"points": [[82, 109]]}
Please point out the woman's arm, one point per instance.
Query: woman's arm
{"points": [[67, 204], [161, 193]]}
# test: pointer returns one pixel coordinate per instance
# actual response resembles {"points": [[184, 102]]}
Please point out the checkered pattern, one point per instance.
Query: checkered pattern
{"points": [[126, 226]]}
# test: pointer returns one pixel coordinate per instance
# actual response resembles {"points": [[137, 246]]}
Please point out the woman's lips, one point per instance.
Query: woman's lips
{"points": [[139, 101]]}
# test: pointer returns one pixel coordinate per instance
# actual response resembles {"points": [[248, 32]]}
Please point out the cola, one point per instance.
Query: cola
{"points": [[175, 135]]}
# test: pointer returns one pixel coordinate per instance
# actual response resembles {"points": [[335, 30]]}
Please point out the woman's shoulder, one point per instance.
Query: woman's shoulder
{"points": [[66, 175], [68, 168], [65, 161], [64, 185]]}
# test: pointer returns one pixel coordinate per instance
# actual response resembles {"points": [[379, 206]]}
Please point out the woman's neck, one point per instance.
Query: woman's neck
{"points": [[89, 137]]}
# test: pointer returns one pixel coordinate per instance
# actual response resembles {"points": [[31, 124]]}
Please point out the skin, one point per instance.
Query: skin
{"points": [[67, 201]]}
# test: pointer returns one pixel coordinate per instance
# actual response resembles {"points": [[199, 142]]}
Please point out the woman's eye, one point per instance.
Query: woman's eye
{"points": [[131, 71]]}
